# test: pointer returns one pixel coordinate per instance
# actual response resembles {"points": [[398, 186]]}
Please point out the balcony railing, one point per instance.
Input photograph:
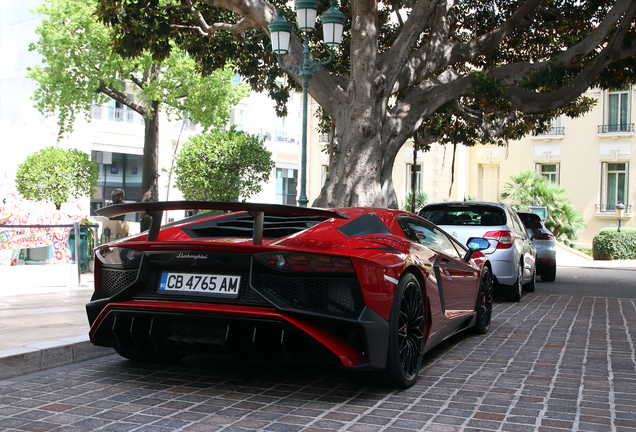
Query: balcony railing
{"points": [[610, 128], [556, 130], [276, 136], [600, 208], [116, 114]]}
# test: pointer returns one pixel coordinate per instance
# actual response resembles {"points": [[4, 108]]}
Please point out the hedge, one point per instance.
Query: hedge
{"points": [[610, 244]]}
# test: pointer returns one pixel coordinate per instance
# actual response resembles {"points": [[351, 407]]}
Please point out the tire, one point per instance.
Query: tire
{"points": [[484, 302], [549, 275], [407, 329], [513, 292], [529, 287]]}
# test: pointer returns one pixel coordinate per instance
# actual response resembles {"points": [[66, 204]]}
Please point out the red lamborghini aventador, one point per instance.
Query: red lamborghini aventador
{"points": [[368, 289]]}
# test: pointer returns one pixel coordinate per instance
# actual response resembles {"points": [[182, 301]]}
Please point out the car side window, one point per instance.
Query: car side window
{"points": [[516, 222], [428, 235]]}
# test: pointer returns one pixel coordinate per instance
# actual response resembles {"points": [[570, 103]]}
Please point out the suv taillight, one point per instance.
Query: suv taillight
{"points": [[544, 236], [505, 239]]}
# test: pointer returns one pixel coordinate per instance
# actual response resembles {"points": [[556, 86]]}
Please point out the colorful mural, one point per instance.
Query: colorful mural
{"points": [[12, 240]]}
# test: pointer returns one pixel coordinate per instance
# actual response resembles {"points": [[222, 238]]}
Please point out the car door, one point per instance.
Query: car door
{"points": [[456, 279]]}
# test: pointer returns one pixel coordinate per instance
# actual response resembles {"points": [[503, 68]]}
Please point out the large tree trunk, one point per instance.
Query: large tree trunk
{"points": [[355, 171], [149, 186], [354, 179], [150, 175]]}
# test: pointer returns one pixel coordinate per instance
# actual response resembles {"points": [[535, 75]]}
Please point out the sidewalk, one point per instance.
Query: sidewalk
{"points": [[43, 320]]}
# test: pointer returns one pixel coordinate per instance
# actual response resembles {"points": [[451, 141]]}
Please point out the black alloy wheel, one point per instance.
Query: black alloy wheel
{"points": [[407, 329], [484, 302]]}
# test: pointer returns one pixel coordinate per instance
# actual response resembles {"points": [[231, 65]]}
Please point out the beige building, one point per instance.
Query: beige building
{"points": [[588, 156]]}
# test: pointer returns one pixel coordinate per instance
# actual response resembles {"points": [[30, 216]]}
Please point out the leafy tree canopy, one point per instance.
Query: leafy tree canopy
{"points": [[54, 175], [80, 68], [447, 71], [527, 188], [222, 166]]}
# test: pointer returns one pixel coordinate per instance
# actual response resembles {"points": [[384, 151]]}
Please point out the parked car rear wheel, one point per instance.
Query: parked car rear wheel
{"points": [[549, 275], [513, 292], [529, 287]]}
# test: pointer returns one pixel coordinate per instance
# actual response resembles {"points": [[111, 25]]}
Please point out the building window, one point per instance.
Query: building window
{"points": [[409, 176], [549, 171], [617, 112], [286, 183], [614, 185], [117, 112], [488, 183], [555, 128]]}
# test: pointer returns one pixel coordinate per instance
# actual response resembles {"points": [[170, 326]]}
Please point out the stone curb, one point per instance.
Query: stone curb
{"points": [[47, 355]]}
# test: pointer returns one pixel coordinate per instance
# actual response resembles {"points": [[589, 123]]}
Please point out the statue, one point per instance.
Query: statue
{"points": [[117, 196]]}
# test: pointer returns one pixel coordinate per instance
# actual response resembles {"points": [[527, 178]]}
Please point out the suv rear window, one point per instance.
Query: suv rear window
{"points": [[464, 215], [531, 221]]}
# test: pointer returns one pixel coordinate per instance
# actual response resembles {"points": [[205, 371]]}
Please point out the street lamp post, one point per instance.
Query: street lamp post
{"points": [[620, 207], [280, 29]]}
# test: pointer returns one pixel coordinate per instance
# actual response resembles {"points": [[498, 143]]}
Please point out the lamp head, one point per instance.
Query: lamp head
{"points": [[620, 207], [280, 30], [306, 11], [332, 26]]}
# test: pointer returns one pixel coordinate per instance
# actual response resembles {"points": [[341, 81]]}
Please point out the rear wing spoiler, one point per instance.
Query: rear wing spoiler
{"points": [[256, 210]]}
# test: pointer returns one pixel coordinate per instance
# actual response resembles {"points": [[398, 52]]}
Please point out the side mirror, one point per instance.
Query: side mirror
{"points": [[475, 244]]}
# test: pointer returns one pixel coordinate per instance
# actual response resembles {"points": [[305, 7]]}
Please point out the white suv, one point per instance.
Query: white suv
{"points": [[511, 252]]}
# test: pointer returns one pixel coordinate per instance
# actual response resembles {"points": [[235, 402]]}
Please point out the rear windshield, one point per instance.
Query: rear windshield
{"points": [[531, 221], [464, 215]]}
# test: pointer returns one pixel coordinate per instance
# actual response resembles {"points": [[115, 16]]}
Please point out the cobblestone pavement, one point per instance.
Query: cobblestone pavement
{"points": [[550, 363]]}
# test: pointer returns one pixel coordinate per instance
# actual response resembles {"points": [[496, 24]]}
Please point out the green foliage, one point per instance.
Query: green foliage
{"points": [[54, 175], [527, 188], [487, 88], [421, 198], [553, 75], [80, 68], [222, 166], [90, 239], [610, 244]]}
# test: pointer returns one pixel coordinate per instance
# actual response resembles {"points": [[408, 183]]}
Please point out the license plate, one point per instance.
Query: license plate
{"points": [[190, 283]]}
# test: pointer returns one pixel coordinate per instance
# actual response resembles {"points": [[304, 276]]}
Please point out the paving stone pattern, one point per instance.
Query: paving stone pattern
{"points": [[550, 363]]}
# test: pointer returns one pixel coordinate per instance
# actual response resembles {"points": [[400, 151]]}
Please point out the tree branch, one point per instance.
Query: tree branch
{"points": [[479, 118], [438, 53], [120, 97], [208, 30]]}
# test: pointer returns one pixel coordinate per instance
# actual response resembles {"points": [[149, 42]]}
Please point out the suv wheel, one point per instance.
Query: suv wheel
{"points": [[549, 275]]}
